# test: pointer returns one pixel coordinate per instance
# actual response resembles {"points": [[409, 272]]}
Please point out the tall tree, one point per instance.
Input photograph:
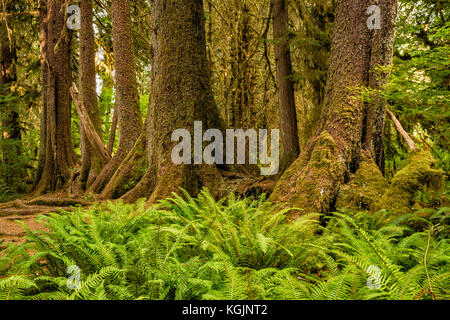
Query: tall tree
{"points": [[90, 163], [11, 145], [290, 146], [127, 96], [59, 153], [181, 94], [43, 45], [335, 151]]}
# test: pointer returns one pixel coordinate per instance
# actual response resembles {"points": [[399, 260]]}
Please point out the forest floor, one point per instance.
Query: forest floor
{"points": [[27, 209], [11, 231], [27, 212]]}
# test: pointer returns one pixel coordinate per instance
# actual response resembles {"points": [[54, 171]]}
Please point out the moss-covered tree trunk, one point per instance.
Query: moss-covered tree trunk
{"points": [[127, 96], [43, 44], [11, 138], [313, 182], [181, 94], [59, 152], [290, 147], [90, 163]]}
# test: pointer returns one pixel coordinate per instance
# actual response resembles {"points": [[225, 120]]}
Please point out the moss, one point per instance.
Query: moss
{"points": [[323, 153], [364, 189], [417, 175], [312, 194]]}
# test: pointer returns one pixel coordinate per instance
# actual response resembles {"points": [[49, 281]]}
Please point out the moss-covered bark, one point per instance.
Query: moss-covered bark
{"points": [[418, 174], [365, 188], [127, 96], [59, 152], [181, 94], [90, 163], [313, 182], [290, 146]]}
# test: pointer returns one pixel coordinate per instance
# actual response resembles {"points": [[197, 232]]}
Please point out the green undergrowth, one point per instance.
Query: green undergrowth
{"points": [[199, 248]]}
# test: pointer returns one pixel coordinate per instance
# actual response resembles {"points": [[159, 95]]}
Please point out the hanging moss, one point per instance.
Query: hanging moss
{"points": [[417, 175], [364, 189]]}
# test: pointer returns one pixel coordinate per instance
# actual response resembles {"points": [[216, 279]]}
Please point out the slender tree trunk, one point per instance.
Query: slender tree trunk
{"points": [[290, 146], [382, 47], [11, 144], [127, 96], [181, 94], [90, 163], [313, 181], [59, 154], [43, 42], [112, 133]]}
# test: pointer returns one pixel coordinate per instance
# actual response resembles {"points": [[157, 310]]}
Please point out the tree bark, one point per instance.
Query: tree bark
{"points": [[43, 43], [91, 163], [59, 152], [96, 145], [313, 182], [127, 96], [11, 144], [181, 94], [290, 146], [381, 54]]}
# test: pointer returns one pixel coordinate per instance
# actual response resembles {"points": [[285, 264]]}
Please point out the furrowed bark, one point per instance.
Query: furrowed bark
{"points": [[96, 145], [91, 160], [127, 96], [59, 152], [290, 147], [313, 182], [181, 94], [43, 38], [381, 54]]}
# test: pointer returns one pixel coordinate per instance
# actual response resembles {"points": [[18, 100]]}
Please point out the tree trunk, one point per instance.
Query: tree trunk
{"points": [[313, 181], [43, 43], [91, 164], [11, 144], [181, 94], [382, 48], [59, 153], [127, 96], [290, 147]]}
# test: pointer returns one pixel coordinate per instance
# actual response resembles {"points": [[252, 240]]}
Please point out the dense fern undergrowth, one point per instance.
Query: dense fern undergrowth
{"points": [[186, 248]]}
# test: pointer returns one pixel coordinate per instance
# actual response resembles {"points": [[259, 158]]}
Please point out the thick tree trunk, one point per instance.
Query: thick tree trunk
{"points": [[313, 182], [91, 164], [127, 96], [59, 154], [181, 94], [290, 147]]}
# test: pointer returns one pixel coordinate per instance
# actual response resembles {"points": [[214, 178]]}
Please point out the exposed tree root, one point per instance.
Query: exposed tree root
{"points": [[419, 174], [130, 171]]}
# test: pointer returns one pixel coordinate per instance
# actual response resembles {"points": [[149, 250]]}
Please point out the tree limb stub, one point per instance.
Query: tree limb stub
{"points": [[412, 146], [92, 135]]}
